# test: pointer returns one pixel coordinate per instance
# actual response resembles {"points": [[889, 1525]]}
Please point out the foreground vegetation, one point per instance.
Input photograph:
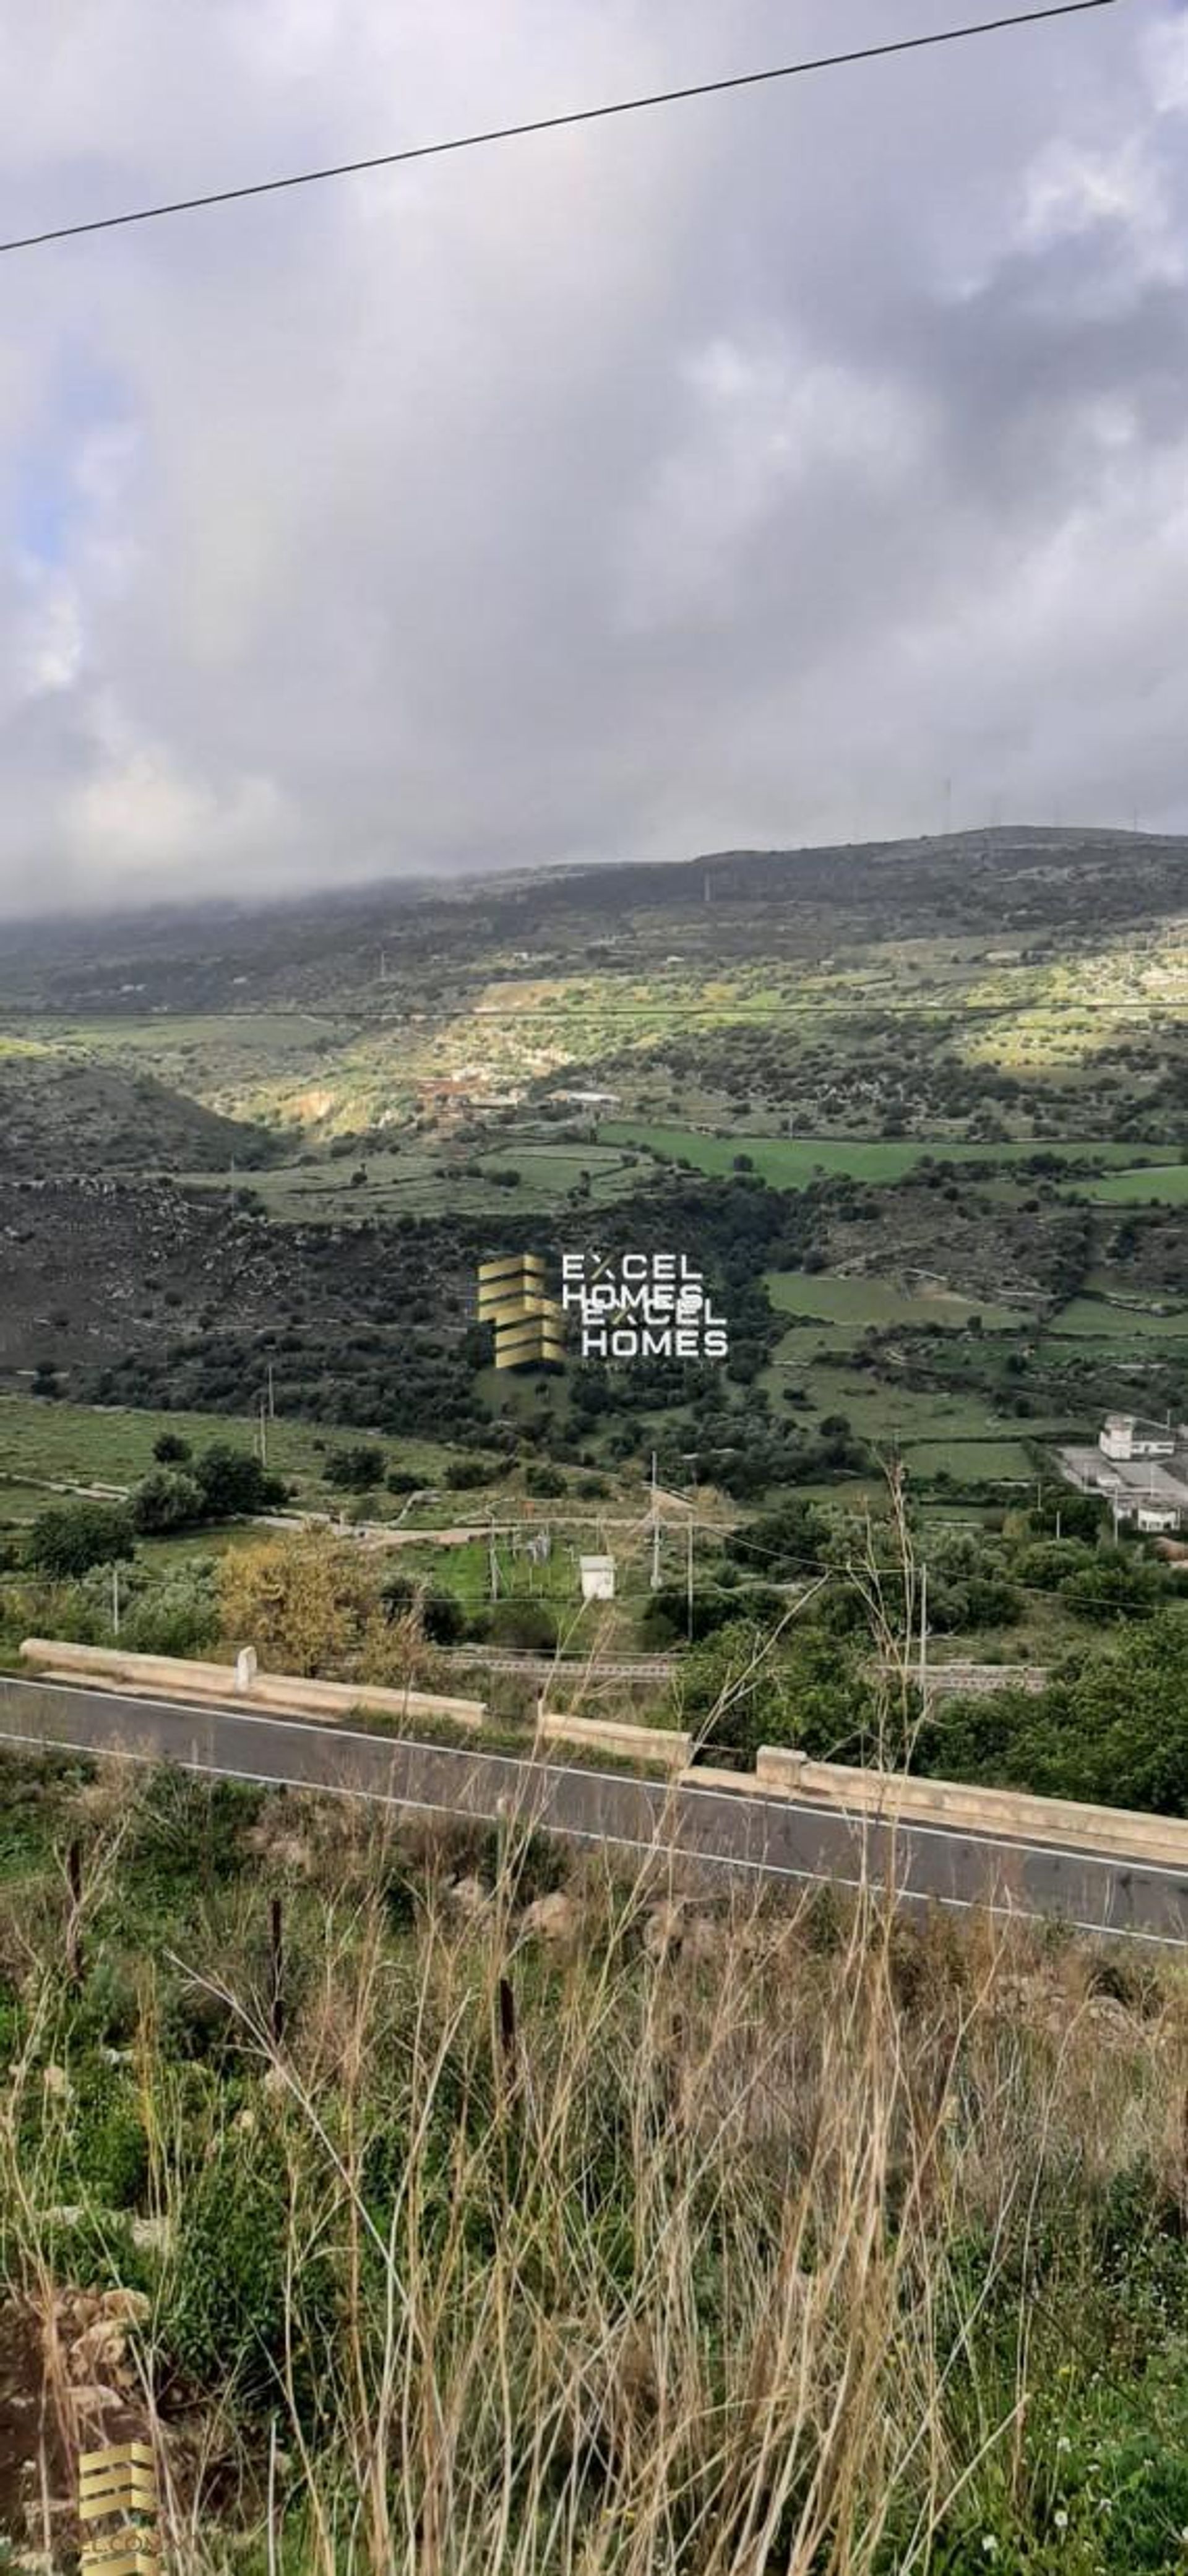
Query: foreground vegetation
{"points": [[445, 2205]]}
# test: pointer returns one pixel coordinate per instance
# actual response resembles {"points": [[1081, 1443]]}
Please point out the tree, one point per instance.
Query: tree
{"points": [[355, 1470], [742, 1689], [68, 1540], [306, 1603], [544, 1481], [234, 1483], [522, 1623], [439, 1611], [1112, 1729], [171, 1450], [165, 1501], [1115, 1586]]}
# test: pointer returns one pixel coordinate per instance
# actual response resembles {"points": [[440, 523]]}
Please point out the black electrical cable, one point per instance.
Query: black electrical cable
{"points": [[551, 124]]}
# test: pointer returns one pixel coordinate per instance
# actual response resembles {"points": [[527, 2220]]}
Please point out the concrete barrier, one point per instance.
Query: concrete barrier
{"points": [[272, 1694], [656, 1744], [1012, 1814], [736, 1784]]}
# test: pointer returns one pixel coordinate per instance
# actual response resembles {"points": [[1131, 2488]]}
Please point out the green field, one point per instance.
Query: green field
{"points": [[888, 1412], [1092, 1319], [793, 1162], [433, 1179], [1144, 1185], [44, 1443], [858, 1301], [978, 1461]]}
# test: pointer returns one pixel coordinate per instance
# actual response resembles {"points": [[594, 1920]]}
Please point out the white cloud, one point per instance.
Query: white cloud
{"points": [[692, 478]]}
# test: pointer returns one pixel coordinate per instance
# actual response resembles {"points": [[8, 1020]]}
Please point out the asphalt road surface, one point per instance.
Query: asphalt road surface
{"points": [[717, 1834]]}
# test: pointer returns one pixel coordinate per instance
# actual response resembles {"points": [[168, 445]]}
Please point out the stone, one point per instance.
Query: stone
{"points": [[551, 1918], [469, 1895], [665, 1928]]}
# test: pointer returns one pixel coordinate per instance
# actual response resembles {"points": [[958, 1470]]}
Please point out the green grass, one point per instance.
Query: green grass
{"points": [[793, 1162], [889, 1413], [1148, 1185], [1092, 1319], [859, 1301], [978, 1461], [76, 1443], [430, 1179]]}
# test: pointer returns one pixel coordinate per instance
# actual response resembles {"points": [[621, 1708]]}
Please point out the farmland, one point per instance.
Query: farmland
{"points": [[857, 1300], [788, 1163], [915, 1112], [1156, 1184]]}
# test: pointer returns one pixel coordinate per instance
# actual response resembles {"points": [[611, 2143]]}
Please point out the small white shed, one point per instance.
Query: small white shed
{"points": [[598, 1577]]}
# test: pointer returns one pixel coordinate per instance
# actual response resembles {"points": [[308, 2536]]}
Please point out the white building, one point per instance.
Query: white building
{"points": [[1124, 1437], [1158, 1520], [598, 1577]]}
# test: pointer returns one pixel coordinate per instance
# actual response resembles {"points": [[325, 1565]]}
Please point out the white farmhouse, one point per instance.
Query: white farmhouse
{"points": [[1123, 1437]]}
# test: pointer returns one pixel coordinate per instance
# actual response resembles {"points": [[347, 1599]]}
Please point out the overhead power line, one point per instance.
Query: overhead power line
{"points": [[551, 124]]}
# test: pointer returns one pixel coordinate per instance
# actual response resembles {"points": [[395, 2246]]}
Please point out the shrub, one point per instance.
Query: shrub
{"points": [[544, 1480], [530, 1624], [68, 1540], [168, 1500]]}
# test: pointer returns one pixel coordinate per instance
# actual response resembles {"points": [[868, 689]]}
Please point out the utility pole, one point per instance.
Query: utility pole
{"points": [[493, 1559], [115, 1601], [923, 1636], [263, 1431], [655, 1529], [689, 1581], [271, 1392]]}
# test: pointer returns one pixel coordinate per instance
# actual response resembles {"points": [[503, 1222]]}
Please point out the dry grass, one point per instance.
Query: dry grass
{"points": [[646, 2246]]}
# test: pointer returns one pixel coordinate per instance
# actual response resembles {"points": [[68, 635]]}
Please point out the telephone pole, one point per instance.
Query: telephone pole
{"points": [[689, 1581], [923, 1637], [493, 1559], [655, 1529]]}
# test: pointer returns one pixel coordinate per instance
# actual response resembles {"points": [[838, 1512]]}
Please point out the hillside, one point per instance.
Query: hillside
{"points": [[61, 1113], [916, 1110]]}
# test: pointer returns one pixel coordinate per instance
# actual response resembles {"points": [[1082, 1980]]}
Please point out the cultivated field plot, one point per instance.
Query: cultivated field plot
{"points": [[991, 1462], [44, 1443], [854, 1302], [794, 1162], [1142, 1185], [1093, 1319], [431, 1180], [891, 1414]]}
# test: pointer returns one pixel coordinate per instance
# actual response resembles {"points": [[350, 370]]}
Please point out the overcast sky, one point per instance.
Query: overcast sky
{"points": [[733, 474]]}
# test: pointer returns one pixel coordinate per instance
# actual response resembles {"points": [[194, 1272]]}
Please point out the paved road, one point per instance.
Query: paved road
{"points": [[724, 1834]]}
